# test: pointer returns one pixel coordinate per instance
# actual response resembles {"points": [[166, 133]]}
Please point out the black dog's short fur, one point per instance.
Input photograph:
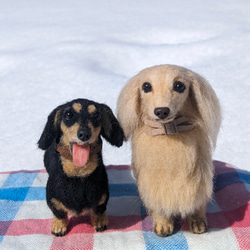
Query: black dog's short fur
{"points": [[72, 189]]}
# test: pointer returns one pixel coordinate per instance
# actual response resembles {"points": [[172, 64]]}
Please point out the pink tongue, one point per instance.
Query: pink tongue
{"points": [[80, 154]]}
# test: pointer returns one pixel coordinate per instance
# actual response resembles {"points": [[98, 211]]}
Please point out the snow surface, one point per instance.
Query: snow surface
{"points": [[54, 51]]}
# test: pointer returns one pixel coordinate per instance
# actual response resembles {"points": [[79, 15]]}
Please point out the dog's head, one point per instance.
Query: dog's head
{"points": [[80, 123], [163, 92]]}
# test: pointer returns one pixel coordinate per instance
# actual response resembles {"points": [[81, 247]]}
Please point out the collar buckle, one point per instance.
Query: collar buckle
{"points": [[170, 128]]}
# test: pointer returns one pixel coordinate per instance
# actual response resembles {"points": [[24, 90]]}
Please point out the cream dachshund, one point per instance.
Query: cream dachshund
{"points": [[173, 116]]}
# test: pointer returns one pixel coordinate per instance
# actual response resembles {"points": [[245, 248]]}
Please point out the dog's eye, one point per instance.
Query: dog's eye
{"points": [[179, 87], [69, 115], [147, 87], [96, 118], [97, 115]]}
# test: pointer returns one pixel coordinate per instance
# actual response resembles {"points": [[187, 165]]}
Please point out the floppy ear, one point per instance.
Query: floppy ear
{"points": [[128, 106], [207, 104], [51, 130], [111, 129]]}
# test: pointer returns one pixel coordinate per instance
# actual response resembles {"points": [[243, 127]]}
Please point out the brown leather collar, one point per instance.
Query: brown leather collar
{"points": [[179, 124], [65, 152]]}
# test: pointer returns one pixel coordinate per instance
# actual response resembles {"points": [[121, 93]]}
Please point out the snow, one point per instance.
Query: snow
{"points": [[54, 51]]}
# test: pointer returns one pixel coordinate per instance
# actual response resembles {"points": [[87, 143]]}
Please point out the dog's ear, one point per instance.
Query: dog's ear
{"points": [[111, 129], [207, 103], [51, 130], [128, 106]]}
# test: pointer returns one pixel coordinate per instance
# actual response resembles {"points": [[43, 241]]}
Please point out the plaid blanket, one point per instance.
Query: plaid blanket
{"points": [[25, 219]]}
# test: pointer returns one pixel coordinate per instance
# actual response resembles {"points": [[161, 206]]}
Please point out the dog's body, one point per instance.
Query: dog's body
{"points": [[77, 178], [174, 170]]}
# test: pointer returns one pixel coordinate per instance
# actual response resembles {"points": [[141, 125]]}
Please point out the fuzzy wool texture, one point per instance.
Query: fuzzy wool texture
{"points": [[175, 171], [54, 51]]}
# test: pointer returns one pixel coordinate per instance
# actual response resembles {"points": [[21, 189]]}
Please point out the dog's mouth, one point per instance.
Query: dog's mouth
{"points": [[80, 153]]}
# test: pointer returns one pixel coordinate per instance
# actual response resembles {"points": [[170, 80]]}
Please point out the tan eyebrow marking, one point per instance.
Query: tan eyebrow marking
{"points": [[91, 108], [77, 107]]}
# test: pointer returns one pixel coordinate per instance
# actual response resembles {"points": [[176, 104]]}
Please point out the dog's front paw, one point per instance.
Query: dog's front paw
{"points": [[164, 230], [162, 226], [59, 227], [99, 222], [198, 225], [101, 228]]}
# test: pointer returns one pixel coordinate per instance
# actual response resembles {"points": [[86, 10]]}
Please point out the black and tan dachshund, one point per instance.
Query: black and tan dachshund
{"points": [[77, 180]]}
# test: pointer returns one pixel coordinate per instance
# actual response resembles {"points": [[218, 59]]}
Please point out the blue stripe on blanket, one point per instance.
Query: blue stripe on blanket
{"points": [[9, 209], [19, 180], [175, 241], [21, 189], [12, 194], [226, 179], [125, 189], [244, 177], [38, 193]]}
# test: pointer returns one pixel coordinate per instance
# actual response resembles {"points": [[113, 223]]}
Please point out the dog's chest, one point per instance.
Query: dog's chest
{"points": [[171, 158], [74, 193], [161, 147]]}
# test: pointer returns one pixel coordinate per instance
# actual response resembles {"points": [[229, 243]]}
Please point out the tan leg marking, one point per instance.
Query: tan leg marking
{"points": [[163, 226], [60, 206], [99, 222], [59, 226], [103, 199]]}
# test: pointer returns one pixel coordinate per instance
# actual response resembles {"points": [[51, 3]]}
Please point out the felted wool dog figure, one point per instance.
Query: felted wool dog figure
{"points": [[173, 116], [77, 180]]}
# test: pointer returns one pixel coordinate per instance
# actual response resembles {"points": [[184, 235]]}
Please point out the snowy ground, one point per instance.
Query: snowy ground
{"points": [[55, 51]]}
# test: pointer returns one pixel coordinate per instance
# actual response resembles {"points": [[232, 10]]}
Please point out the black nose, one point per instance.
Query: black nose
{"points": [[83, 135], [162, 112]]}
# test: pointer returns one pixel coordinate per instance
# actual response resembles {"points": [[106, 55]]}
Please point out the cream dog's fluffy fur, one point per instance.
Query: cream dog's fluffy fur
{"points": [[174, 173]]}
